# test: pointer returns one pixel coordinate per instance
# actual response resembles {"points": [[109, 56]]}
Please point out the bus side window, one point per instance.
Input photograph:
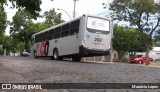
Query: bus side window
{"points": [[74, 27], [45, 36], [50, 35], [65, 30], [38, 38], [41, 37], [35, 38], [57, 33]]}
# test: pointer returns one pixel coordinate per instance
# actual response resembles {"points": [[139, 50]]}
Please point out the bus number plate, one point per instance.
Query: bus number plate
{"points": [[98, 40]]}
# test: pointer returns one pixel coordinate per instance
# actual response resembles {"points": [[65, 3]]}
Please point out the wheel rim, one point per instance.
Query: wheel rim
{"points": [[140, 62], [55, 54]]}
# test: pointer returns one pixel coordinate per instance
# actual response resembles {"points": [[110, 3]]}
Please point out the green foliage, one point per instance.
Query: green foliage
{"points": [[3, 20], [1, 51], [1, 38], [23, 27], [19, 27], [32, 6], [144, 14], [126, 40], [20, 20], [7, 44], [52, 18]]}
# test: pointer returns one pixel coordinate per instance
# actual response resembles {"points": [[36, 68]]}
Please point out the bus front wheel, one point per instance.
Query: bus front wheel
{"points": [[76, 58]]}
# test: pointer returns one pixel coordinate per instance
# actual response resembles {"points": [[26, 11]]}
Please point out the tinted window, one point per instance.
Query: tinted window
{"points": [[36, 38], [45, 36], [65, 30], [57, 33], [74, 27], [50, 35]]}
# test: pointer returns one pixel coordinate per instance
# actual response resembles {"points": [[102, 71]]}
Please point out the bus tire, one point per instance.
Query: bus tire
{"points": [[60, 58], [35, 55], [56, 55], [76, 58], [52, 58]]}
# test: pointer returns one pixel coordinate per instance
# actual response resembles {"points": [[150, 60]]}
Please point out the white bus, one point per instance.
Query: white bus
{"points": [[84, 36]]}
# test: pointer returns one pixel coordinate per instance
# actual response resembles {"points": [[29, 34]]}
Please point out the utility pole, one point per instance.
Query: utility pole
{"points": [[74, 11]]}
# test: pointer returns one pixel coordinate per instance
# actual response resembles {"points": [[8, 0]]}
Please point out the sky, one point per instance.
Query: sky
{"points": [[93, 7]]}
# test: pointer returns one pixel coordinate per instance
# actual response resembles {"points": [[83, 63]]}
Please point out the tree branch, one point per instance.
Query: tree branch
{"points": [[155, 27], [146, 21]]}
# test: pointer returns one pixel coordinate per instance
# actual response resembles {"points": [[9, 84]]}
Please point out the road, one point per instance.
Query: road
{"points": [[28, 70]]}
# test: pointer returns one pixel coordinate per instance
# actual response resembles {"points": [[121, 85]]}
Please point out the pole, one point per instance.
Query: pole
{"points": [[74, 11]]}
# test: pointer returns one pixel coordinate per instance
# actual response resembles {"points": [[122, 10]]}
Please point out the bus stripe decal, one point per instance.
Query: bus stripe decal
{"points": [[42, 48]]}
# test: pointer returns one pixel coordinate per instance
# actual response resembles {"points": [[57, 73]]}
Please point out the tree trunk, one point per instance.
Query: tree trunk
{"points": [[147, 56], [120, 56]]}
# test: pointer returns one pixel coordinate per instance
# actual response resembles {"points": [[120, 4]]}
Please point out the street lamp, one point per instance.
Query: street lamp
{"points": [[65, 12], [74, 11]]}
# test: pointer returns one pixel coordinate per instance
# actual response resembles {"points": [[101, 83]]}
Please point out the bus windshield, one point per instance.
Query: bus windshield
{"points": [[97, 24]]}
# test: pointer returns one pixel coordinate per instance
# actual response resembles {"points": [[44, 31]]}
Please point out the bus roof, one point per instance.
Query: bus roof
{"points": [[66, 23]]}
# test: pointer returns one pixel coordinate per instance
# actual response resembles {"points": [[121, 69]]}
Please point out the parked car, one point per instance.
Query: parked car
{"points": [[25, 53], [140, 59]]}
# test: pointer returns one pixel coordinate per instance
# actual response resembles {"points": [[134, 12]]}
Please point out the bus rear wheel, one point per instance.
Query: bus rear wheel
{"points": [[76, 58]]}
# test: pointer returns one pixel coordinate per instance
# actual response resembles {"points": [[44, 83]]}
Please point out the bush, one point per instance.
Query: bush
{"points": [[1, 51], [157, 60]]}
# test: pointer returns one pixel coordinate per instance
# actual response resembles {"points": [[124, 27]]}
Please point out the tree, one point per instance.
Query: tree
{"points": [[143, 14], [3, 24], [52, 18], [7, 44], [31, 6], [31, 28], [20, 20], [119, 41], [19, 25], [23, 26], [123, 41]]}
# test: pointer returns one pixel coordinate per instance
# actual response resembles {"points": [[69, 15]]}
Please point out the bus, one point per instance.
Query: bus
{"points": [[84, 36]]}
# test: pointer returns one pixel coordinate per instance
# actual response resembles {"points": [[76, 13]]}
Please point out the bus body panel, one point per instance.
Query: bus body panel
{"points": [[68, 45], [94, 43], [85, 43]]}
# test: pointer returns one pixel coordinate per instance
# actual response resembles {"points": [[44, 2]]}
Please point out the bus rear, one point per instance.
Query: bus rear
{"points": [[97, 36]]}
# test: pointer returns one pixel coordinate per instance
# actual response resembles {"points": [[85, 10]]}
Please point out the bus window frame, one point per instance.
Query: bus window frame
{"points": [[74, 27], [65, 30]]}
